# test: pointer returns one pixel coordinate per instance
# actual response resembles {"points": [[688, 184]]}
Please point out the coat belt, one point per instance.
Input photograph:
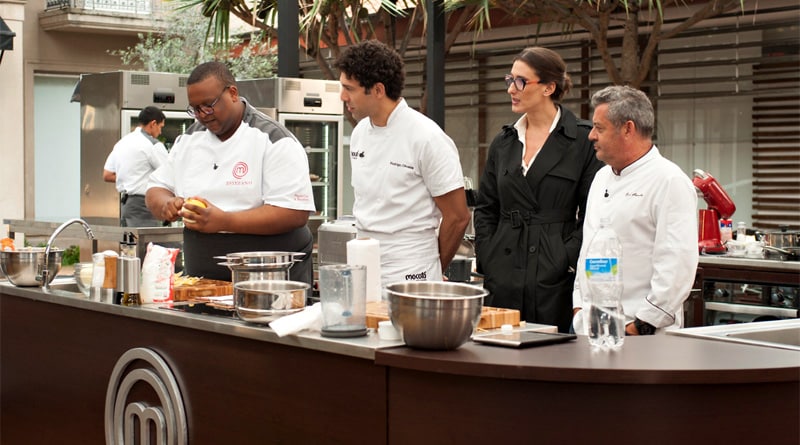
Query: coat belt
{"points": [[520, 217]]}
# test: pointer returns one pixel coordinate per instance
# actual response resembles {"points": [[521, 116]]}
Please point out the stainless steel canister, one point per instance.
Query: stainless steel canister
{"points": [[128, 274]]}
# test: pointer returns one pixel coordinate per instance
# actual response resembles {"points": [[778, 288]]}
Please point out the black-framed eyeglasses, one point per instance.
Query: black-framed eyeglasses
{"points": [[519, 82], [205, 109]]}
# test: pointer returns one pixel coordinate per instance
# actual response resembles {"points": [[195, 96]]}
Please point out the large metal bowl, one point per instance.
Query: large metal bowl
{"points": [[434, 314], [263, 301], [22, 266]]}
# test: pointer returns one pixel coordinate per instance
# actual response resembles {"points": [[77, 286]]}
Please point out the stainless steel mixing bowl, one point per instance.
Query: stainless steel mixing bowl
{"points": [[434, 314], [22, 266], [263, 301]]}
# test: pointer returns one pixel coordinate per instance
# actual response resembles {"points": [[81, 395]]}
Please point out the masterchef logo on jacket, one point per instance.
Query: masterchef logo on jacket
{"points": [[354, 154], [239, 171]]}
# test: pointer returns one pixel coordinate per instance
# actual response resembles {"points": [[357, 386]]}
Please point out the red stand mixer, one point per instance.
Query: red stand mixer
{"points": [[720, 205]]}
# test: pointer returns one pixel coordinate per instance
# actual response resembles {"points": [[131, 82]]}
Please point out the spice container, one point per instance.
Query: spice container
{"points": [[128, 274]]}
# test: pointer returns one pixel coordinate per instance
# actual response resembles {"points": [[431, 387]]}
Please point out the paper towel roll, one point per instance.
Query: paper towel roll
{"points": [[367, 252]]}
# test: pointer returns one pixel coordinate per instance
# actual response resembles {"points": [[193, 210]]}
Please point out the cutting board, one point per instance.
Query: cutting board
{"points": [[491, 317], [202, 288]]}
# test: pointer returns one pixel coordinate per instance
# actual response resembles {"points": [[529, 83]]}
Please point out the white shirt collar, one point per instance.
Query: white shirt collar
{"points": [[522, 126]]}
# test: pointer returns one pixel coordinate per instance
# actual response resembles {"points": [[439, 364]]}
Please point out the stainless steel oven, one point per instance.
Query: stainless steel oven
{"points": [[749, 290]]}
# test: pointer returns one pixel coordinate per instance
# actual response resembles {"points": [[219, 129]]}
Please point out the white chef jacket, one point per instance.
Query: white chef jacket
{"points": [[652, 206], [133, 159], [262, 163], [397, 170]]}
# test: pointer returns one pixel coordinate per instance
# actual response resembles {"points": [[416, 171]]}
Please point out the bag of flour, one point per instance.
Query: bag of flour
{"points": [[158, 274]]}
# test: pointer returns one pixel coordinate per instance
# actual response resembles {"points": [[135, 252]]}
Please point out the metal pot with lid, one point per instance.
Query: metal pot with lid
{"points": [[783, 238], [251, 266], [783, 244]]}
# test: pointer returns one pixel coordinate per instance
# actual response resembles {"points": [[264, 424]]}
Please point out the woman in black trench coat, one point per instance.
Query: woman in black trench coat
{"points": [[532, 195]]}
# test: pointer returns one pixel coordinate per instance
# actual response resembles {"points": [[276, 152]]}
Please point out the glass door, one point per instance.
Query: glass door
{"points": [[321, 136]]}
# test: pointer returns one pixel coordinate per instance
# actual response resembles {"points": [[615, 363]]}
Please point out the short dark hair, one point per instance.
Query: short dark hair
{"points": [[151, 113], [217, 70], [370, 62], [549, 66]]}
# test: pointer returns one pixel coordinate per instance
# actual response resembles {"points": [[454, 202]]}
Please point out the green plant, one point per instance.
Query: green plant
{"points": [[184, 46], [71, 255]]}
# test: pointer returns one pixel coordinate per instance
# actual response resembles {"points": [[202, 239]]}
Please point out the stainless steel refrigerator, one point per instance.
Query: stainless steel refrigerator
{"points": [[110, 106], [313, 111]]}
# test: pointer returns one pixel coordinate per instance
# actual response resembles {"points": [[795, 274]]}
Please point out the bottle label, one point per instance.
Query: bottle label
{"points": [[602, 268]]}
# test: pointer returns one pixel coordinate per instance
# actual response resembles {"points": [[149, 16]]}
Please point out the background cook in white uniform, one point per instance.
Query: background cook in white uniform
{"points": [[130, 163]]}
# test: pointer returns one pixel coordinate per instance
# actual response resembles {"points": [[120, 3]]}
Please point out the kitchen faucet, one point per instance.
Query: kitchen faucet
{"points": [[45, 272]]}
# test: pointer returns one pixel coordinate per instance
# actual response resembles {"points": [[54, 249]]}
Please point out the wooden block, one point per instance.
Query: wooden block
{"points": [[494, 317], [203, 288], [377, 311], [491, 317]]}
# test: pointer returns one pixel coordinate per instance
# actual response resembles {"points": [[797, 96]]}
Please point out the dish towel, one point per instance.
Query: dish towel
{"points": [[309, 318]]}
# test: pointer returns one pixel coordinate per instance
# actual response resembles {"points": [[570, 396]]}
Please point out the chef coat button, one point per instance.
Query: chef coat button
{"points": [[532, 249]]}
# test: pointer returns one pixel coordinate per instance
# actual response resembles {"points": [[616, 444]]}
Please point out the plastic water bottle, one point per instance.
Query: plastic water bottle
{"points": [[741, 231], [604, 279]]}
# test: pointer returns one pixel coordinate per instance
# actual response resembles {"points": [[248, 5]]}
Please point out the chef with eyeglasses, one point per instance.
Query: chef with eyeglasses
{"points": [[238, 178]]}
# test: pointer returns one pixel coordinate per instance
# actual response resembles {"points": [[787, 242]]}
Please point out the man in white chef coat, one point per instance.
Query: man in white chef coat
{"points": [[238, 178], [406, 173], [130, 163], [652, 206]]}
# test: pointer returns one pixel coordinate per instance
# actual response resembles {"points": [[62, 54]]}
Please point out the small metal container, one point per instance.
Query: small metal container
{"points": [[263, 301], [22, 267]]}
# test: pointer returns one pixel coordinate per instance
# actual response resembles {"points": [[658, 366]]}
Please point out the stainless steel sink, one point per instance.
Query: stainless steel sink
{"points": [[788, 336], [784, 334]]}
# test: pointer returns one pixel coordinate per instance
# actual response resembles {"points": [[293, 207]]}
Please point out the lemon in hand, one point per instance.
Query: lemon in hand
{"points": [[192, 201], [196, 202]]}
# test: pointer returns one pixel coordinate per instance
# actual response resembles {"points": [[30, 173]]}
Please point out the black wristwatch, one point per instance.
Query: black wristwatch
{"points": [[643, 327]]}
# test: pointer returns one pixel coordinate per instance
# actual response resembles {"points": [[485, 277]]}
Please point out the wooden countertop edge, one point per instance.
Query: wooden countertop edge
{"points": [[557, 365]]}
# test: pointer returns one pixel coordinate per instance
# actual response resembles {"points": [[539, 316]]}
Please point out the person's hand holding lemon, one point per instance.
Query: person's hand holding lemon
{"points": [[190, 208]]}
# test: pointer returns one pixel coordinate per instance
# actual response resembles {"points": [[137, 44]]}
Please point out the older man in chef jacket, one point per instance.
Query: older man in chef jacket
{"points": [[652, 206], [406, 176]]}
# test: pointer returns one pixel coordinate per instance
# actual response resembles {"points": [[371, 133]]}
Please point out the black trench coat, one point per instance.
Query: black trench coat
{"points": [[528, 229]]}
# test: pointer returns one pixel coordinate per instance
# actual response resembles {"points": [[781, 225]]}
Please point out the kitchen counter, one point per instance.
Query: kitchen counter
{"points": [[241, 383], [745, 263]]}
